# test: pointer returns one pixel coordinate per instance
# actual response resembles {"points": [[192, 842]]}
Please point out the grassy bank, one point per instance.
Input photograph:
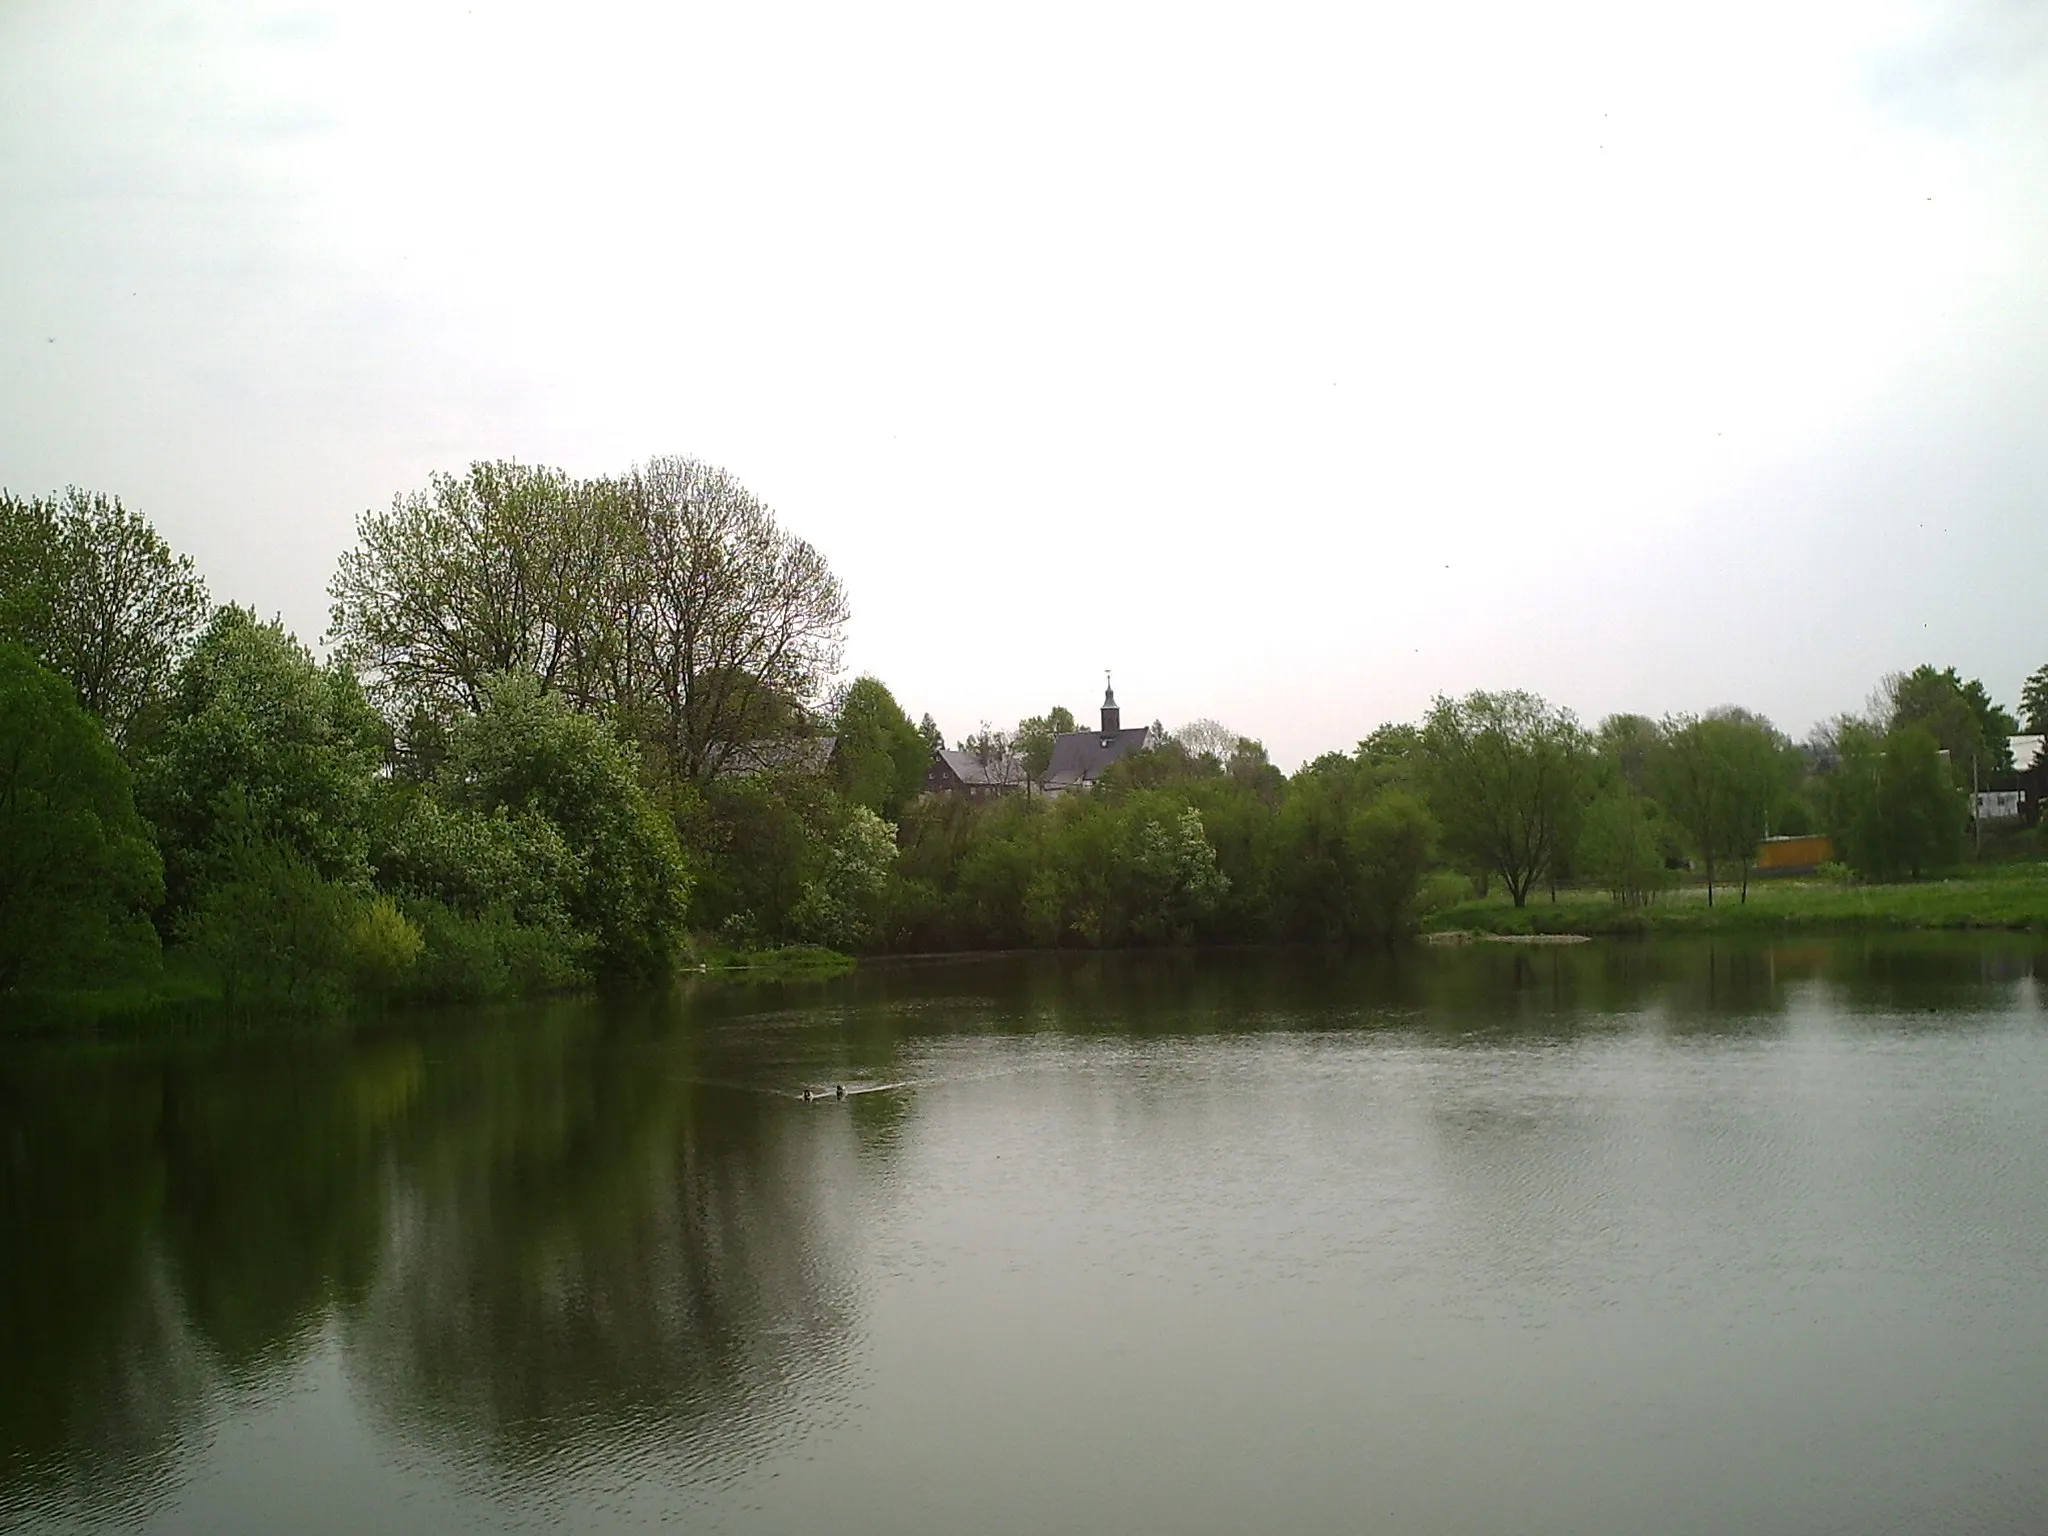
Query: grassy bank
{"points": [[179, 993], [184, 993], [2008, 896], [790, 960]]}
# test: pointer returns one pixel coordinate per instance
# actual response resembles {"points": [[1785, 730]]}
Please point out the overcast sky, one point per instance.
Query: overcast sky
{"points": [[1298, 362]]}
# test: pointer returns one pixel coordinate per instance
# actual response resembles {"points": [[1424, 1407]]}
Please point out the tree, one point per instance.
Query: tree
{"points": [[839, 904], [92, 591], [1503, 772], [1210, 737], [1349, 856], [1624, 846], [667, 600], [1035, 736], [1164, 878], [507, 568], [1890, 806], [2034, 701], [881, 759], [526, 753], [1628, 742], [738, 623], [1722, 778], [78, 872], [253, 717], [1960, 716], [989, 745], [928, 731]]}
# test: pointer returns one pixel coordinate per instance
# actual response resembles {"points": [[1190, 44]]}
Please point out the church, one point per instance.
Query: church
{"points": [[1079, 757]]}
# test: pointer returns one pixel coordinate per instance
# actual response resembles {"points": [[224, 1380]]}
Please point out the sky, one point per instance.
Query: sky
{"points": [[1297, 362]]}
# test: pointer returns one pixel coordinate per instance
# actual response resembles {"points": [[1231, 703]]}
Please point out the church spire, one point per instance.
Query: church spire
{"points": [[1112, 717]]}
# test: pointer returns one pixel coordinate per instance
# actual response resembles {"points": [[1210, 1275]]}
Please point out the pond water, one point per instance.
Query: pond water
{"points": [[1615, 1238]]}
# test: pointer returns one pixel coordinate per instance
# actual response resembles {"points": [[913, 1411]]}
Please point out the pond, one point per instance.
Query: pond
{"points": [[1675, 1237]]}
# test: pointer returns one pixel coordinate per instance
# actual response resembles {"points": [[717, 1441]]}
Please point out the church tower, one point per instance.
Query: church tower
{"points": [[1112, 717]]}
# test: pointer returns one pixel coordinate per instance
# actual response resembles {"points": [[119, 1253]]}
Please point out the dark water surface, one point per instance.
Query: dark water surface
{"points": [[1671, 1238]]}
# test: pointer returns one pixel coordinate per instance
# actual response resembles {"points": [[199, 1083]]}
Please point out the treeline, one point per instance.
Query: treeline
{"points": [[574, 730]]}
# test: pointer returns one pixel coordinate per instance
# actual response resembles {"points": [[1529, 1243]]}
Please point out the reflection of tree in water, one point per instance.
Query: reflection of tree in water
{"points": [[94, 1373], [174, 1226], [586, 1247]]}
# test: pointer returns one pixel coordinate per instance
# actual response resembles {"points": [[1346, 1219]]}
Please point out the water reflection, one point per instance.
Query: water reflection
{"points": [[585, 1243], [562, 1232]]}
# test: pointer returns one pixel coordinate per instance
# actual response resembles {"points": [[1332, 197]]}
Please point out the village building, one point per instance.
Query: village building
{"points": [[2030, 769], [1079, 758], [958, 772]]}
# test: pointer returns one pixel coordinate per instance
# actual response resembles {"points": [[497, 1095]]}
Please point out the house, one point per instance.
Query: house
{"points": [[966, 773], [2030, 767], [1080, 757]]}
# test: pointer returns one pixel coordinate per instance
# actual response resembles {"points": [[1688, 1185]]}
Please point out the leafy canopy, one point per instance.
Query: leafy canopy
{"points": [[89, 588], [78, 872], [254, 717]]}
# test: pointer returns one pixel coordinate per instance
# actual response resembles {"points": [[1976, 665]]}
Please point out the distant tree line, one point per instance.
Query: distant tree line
{"points": [[566, 729]]}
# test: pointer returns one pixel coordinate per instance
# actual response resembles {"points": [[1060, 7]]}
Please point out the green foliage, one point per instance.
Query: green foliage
{"points": [[474, 861], [78, 871], [254, 719], [527, 757], [667, 600], [1115, 870], [1391, 748], [2034, 702], [273, 931], [1349, 858], [481, 956], [1625, 845], [929, 733], [1505, 774], [1892, 808], [1723, 779], [1628, 743], [839, 905], [93, 593], [759, 842], [1035, 736], [881, 759], [1960, 716]]}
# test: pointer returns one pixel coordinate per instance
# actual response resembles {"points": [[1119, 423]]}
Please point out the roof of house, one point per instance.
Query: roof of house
{"points": [[968, 768], [1078, 757]]}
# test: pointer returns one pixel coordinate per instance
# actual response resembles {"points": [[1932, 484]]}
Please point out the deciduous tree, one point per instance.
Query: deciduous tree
{"points": [[252, 715], [1503, 772], [736, 623], [78, 871], [91, 590]]}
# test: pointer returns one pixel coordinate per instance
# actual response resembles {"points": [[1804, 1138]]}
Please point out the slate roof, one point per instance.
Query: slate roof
{"points": [[1078, 757], [999, 773]]}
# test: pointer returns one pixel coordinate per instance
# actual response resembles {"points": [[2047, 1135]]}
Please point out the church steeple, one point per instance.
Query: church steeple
{"points": [[1112, 717]]}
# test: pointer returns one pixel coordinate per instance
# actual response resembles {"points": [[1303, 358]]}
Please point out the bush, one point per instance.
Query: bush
{"points": [[1626, 847], [384, 946], [274, 932], [839, 907], [479, 957]]}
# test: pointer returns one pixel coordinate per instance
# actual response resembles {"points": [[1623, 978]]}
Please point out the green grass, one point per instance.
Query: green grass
{"points": [[178, 994], [2008, 896], [773, 964]]}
